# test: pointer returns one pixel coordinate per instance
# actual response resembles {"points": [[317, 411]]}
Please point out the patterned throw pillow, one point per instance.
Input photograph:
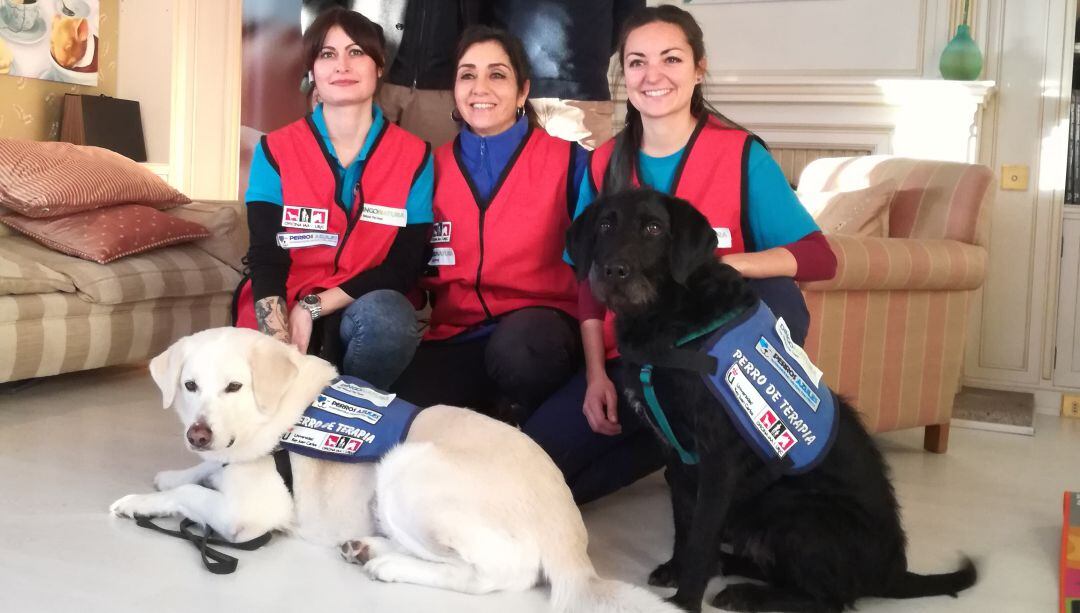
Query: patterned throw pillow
{"points": [[51, 179], [862, 212], [105, 235]]}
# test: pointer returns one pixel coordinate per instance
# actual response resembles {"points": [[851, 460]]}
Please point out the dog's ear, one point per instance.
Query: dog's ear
{"points": [[273, 369], [693, 241], [165, 370], [581, 238]]}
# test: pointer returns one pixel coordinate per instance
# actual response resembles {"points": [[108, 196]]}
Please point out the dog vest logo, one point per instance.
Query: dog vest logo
{"points": [[793, 422], [345, 424], [788, 373], [297, 240], [440, 232], [304, 218]]}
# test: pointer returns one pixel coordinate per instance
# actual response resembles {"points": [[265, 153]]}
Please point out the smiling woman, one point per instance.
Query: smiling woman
{"points": [[503, 331], [339, 208]]}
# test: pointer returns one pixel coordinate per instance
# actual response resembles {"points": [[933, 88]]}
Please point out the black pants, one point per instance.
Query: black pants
{"points": [[505, 371]]}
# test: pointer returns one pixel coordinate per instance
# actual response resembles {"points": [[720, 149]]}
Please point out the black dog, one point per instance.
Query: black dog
{"points": [[819, 540]]}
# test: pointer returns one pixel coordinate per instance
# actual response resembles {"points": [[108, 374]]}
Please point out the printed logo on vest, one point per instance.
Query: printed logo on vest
{"points": [[296, 240], [440, 232], [797, 352], [765, 419], [366, 393], [723, 238], [789, 374], [344, 409], [442, 256], [385, 215], [304, 218]]}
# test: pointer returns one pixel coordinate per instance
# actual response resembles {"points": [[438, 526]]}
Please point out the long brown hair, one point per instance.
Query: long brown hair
{"points": [[628, 142]]}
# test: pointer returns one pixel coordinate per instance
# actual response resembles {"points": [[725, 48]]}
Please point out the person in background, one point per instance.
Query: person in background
{"points": [[421, 38], [339, 212], [569, 44]]}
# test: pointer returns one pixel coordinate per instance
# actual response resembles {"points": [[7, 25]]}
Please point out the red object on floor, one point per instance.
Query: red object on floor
{"points": [[1070, 555]]}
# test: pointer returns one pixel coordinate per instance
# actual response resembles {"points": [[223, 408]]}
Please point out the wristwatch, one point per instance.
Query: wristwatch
{"points": [[313, 305]]}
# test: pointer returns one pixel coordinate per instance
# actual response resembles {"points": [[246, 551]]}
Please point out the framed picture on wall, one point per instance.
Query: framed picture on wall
{"points": [[55, 40]]}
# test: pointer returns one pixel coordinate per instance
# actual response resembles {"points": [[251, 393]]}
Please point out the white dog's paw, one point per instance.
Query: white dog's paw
{"points": [[361, 551], [387, 568], [170, 479], [143, 505]]}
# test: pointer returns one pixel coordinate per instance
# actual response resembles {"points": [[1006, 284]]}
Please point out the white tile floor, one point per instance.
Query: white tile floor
{"points": [[71, 445]]}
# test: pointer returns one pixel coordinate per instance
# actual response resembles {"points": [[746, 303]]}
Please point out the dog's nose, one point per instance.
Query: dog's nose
{"points": [[616, 269], [199, 435]]}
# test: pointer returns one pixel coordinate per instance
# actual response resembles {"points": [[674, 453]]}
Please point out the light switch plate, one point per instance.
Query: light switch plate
{"points": [[1014, 177]]}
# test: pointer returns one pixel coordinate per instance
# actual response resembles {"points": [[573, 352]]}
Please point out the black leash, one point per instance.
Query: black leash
{"points": [[215, 561]]}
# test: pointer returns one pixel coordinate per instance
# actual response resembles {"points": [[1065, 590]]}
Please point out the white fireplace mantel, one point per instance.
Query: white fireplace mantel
{"points": [[922, 118]]}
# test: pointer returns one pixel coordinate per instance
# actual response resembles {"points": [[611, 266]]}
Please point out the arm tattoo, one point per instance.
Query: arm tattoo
{"points": [[273, 321]]}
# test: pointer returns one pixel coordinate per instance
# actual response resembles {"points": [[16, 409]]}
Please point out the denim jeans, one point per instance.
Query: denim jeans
{"points": [[379, 333]]}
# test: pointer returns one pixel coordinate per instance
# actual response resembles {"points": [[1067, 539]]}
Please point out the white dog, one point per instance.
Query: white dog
{"points": [[465, 503]]}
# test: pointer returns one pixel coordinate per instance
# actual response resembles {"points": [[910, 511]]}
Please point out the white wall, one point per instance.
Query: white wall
{"points": [[144, 69], [805, 72]]}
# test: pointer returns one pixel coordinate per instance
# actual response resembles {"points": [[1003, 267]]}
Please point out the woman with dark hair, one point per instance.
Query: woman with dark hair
{"points": [[503, 333], [676, 143], [339, 210]]}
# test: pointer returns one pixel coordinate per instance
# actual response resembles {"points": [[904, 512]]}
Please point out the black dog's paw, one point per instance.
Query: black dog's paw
{"points": [[665, 575], [740, 597], [685, 606]]}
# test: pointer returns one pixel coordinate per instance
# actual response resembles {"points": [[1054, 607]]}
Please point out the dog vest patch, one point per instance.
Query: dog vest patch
{"points": [[772, 393], [350, 421]]}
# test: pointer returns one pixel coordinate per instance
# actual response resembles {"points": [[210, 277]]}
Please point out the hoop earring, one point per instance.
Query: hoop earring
{"points": [[455, 116], [521, 111]]}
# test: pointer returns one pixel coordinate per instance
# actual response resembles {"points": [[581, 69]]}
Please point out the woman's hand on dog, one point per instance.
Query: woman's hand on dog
{"points": [[601, 406]]}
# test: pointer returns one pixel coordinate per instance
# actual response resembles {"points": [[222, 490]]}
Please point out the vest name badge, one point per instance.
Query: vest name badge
{"points": [[723, 238], [440, 232], [442, 256], [304, 218], [296, 240], [385, 215]]}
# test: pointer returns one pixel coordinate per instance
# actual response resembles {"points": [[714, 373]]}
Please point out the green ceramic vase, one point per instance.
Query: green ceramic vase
{"points": [[961, 60]]}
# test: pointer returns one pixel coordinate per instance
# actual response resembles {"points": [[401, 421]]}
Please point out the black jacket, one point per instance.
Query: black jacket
{"points": [[568, 42], [429, 35]]}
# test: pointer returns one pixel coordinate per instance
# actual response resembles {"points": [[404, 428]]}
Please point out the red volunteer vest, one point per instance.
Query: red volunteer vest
{"points": [[494, 259], [710, 175], [314, 218]]}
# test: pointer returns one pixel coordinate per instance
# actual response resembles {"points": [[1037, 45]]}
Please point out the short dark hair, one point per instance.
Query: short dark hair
{"points": [[360, 29], [474, 35]]}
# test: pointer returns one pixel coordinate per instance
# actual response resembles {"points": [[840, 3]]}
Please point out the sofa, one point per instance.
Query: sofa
{"points": [[889, 329], [60, 313]]}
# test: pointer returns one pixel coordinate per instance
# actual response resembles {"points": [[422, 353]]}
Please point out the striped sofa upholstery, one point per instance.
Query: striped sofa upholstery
{"points": [[61, 314], [889, 328]]}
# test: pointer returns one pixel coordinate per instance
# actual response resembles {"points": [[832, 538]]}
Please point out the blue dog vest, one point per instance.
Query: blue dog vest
{"points": [[350, 421], [770, 390]]}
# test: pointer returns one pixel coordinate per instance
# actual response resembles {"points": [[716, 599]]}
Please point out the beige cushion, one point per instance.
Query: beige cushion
{"points": [[48, 179], [22, 273], [862, 212], [105, 235], [228, 241], [181, 270]]}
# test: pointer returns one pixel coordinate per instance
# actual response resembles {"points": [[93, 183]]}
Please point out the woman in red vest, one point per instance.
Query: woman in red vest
{"points": [[676, 143], [504, 332], [339, 211]]}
